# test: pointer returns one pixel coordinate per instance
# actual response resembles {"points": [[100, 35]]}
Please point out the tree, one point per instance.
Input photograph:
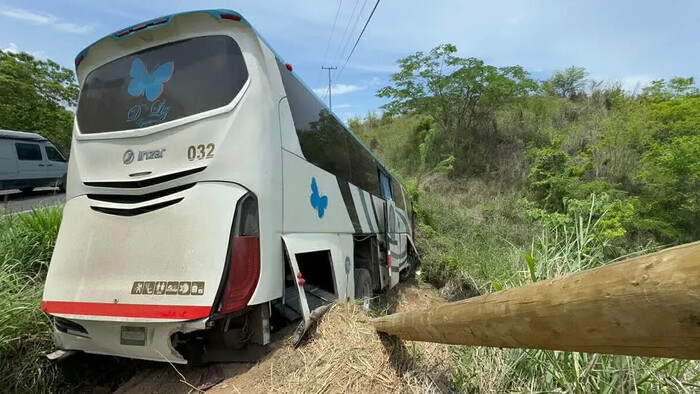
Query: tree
{"points": [[671, 198], [460, 94], [37, 96], [659, 90], [570, 82]]}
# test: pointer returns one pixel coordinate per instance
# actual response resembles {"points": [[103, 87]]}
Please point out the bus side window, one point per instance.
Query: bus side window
{"points": [[324, 141], [398, 194], [385, 184]]}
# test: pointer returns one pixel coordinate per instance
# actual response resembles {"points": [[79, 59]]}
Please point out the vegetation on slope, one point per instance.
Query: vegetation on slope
{"points": [[516, 180], [26, 243]]}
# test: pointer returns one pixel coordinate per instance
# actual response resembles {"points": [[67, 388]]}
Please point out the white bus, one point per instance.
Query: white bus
{"points": [[212, 198]]}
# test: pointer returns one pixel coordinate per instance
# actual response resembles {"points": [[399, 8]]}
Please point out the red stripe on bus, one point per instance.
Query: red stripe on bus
{"points": [[184, 312]]}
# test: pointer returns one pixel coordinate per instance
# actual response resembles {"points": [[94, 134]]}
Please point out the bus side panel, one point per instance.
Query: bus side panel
{"points": [[290, 140], [313, 202], [365, 210], [404, 234], [255, 142]]}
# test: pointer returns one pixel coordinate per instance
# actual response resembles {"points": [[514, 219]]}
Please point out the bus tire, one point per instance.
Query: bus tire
{"points": [[363, 284], [408, 273]]}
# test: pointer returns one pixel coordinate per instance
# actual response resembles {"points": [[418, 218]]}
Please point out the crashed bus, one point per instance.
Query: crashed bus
{"points": [[211, 198]]}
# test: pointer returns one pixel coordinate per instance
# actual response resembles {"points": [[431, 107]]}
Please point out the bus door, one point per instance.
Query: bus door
{"points": [[391, 230]]}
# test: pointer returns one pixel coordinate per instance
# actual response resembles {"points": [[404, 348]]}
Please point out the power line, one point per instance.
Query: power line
{"points": [[328, 45], [345, 32], [358, 40], [330, 38], [352, 32]]}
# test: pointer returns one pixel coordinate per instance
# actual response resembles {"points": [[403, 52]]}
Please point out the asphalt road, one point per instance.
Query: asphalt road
{"points": [[13, 201]]}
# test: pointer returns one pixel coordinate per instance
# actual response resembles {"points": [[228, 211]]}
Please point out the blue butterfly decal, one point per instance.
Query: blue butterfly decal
{"points": [[318, 202], [150, 84]]}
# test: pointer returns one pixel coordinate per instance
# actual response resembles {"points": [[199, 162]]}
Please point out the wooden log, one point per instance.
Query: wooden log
{"points": [[645, 306]]}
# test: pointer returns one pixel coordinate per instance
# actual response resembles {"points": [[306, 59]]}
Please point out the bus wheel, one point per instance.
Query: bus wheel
{"points": [[410, 270], [363, 284]]}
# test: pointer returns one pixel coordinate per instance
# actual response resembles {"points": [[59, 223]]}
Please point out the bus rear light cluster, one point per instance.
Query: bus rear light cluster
{"points": [[231, 17], [244, 264], [243, 273], [140, 27]]}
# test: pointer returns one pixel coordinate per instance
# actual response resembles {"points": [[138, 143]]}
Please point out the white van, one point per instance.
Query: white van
{"points": [[28, 161]]}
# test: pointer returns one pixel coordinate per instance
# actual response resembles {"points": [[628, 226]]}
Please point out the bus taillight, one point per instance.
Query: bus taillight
{"points": [[244, 264], [231, 17], [243, 273]]}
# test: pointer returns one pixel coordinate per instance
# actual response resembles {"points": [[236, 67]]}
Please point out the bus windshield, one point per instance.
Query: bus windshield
{"points": [[161, 83]]}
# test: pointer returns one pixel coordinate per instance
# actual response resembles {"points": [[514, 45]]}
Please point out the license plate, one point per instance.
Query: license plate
{"points": [[134, 336]]}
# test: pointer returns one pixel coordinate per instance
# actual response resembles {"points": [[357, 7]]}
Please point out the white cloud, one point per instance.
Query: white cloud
{"points": [[346, 116], [36, 18], [374, 68], [374, 81], [338, 89], [630, 83], [74, 28], [12, 48], [635, 83], [124, 9], [341, 106]]}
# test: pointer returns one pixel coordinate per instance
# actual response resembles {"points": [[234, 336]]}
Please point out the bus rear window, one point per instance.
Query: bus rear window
{"points": [[161, 84]]}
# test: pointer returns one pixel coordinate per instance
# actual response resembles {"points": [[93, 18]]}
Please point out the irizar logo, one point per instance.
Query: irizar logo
{"points": [[152, 154], [128, 156]]}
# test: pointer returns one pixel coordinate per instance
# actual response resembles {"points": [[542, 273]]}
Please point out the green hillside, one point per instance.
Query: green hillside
{"points": [[516, 180]]}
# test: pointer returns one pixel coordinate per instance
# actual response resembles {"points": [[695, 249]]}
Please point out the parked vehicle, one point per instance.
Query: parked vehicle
{"points": [[213, 197], [28, 161]]}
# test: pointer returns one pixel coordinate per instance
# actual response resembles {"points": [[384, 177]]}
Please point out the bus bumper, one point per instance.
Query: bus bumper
{"points": [[145, 341]]}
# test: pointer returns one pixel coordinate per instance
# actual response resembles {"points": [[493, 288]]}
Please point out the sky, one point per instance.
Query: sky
{"points": [[632, 42]]}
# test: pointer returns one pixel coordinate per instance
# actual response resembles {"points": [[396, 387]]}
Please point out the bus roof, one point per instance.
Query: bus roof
{"points": [[219, 14], [20, 135], [160, 22]]}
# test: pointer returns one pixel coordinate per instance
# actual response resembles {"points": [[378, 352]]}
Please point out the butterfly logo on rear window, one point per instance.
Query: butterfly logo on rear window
{"points": [[149, 84], [318, 202]]}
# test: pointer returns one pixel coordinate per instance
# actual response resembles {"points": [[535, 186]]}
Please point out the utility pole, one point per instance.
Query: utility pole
{"points": [[645, 306], [330, 100]]}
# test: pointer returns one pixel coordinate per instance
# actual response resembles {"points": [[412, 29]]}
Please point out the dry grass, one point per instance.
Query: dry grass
{"points": [[346, 355]]}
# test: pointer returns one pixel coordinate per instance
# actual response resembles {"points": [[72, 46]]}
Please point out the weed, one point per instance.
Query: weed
{"points": [[26, 243]]}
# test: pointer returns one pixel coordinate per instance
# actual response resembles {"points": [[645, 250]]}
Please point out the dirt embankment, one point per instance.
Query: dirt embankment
{"points": [[343, 354]]}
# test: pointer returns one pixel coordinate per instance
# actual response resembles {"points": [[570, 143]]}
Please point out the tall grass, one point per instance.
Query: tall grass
{"points": [[465, 234], [560, 249], [26, 244]]}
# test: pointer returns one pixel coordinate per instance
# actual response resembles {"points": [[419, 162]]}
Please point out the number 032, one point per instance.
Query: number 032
{"points": [[200, 152]]}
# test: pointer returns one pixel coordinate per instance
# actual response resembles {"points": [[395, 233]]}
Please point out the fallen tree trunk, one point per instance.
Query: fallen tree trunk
{"points": [[645, 306]]}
